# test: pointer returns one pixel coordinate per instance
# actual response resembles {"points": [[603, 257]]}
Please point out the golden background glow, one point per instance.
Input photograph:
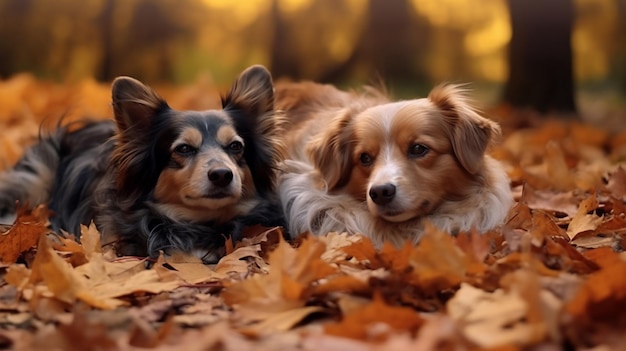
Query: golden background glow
{"points": [[185, 40]]}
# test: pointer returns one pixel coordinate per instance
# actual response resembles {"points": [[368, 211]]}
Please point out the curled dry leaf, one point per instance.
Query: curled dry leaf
{"points": [[583, 220], [29, 226]]}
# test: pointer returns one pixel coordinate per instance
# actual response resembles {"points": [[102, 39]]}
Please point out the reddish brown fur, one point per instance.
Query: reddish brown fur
{"points": [[335, 128]]}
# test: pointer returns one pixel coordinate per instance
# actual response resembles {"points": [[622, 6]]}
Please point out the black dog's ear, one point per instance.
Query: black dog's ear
{"points": [[134, 104], [250, 103], [252, 92]]}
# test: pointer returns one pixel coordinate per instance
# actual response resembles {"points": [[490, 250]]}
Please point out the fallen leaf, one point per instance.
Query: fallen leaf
{"points": [[583, 221], [363, 324], [57, 275], [602, 297], [557, 169], [285, 287], [492, 319], [281, 321], [90, 240], [24, 234]]}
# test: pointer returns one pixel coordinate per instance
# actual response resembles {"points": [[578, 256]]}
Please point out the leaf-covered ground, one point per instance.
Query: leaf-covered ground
{"points": [[553, 277]]}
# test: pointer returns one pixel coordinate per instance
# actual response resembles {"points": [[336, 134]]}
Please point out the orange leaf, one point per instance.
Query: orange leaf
{"points": [[602, 297], [583, 221], [437, 262], [558, 171], [56, 274], [287, 286], [360, 323], [24, 234]]}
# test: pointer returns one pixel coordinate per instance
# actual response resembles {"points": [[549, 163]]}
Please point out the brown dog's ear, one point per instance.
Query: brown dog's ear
{"points": [[251, 93], [134, 104], [331, 150], [470, 133]]}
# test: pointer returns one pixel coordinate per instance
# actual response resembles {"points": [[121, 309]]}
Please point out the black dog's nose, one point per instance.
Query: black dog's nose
{"points": [[382, 194], [221, 176]]}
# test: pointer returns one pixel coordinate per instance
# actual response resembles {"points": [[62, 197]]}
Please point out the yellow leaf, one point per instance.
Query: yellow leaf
{"points": [[90, 239], [491, 319], [583, 221], [282, 321], [56, 274]]}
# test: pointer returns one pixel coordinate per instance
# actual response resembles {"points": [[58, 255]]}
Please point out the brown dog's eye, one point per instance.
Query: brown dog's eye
{"points": [[418, 150], [185, 150], [366, 159], [235, 147]]}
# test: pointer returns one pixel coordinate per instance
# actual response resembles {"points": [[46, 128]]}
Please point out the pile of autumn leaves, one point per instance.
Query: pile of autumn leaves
{"points": [[552, 276]]}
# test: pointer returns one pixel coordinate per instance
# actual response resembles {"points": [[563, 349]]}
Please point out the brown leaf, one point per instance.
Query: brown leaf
{"points": [[616, 183], [602, 297], [550, 200], [583, 221], [438, 263], [557, 169], [361, 324], [24, 234]]}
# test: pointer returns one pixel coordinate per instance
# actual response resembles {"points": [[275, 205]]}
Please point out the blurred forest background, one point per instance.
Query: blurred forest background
{"points": [[564, 55]]}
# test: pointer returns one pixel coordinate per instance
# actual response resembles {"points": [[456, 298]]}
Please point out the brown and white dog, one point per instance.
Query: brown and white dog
{"points": [[360, 163]]}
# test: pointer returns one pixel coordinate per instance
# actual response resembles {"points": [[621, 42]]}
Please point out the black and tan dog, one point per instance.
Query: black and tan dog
{"points": [[157, 178]]}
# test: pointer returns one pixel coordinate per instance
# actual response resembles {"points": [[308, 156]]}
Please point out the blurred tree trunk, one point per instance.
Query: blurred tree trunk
{"points": [[386, 46], [540, 56], [284, 62], [107, 27]]}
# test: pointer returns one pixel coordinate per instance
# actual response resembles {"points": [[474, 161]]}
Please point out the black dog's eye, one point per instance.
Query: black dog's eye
{"points": [[185, 149], [235, 147], [418, 150], [366, 159]]}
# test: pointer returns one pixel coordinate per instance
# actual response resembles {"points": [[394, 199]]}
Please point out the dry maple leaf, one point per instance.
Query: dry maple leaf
{"points": [[90, 240], [24, 233], [284, 291]]}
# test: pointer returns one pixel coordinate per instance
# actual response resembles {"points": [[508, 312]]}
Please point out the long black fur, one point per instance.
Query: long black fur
{"points": [[106, 171]]}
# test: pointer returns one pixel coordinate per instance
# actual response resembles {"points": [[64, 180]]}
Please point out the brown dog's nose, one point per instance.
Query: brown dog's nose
{"points": [[221, 176], [382, 194]]}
